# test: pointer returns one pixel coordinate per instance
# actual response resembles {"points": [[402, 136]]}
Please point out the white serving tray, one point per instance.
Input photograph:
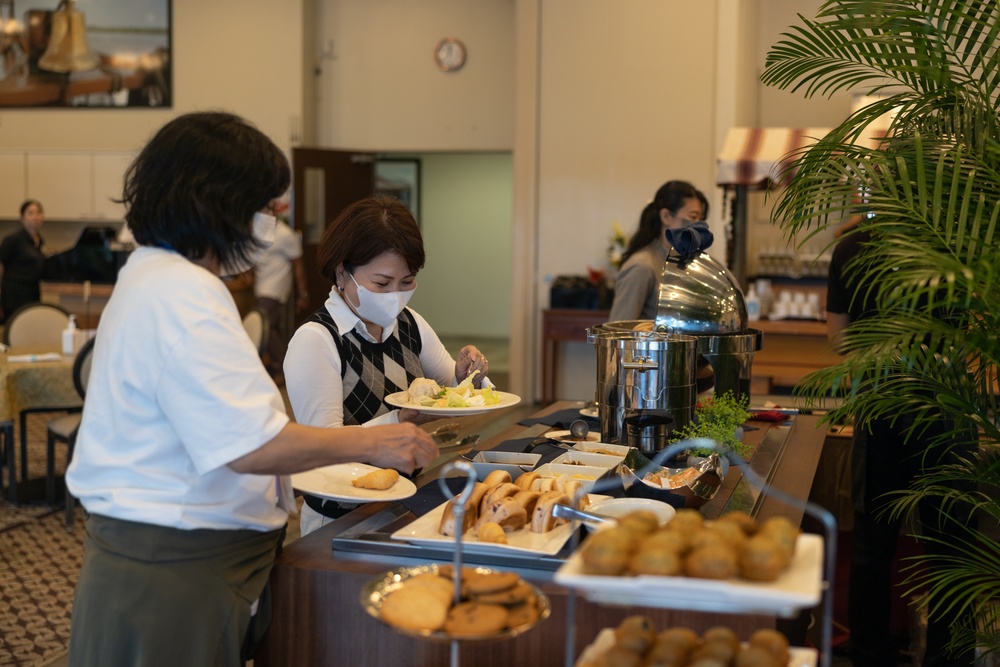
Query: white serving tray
{"points": [[605, 639], [799, 586]]}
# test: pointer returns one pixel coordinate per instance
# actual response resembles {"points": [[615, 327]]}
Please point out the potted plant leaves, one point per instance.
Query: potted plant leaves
{"points": [[719, 417]]}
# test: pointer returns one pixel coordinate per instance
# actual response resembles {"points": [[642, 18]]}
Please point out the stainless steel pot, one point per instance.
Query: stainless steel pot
{"points": [[642, 370]]}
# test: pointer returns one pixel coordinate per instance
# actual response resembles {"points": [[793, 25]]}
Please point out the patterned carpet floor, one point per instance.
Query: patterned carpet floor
{"points": [[39, 565]]}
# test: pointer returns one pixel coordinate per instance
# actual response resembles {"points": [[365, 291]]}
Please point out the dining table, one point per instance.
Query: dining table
{"points": [[31, 379]]}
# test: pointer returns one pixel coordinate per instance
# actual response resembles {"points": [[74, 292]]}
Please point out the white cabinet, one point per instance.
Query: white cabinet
{"points": [[63, 183], [77, 185], [13, 178], [109, 175]]}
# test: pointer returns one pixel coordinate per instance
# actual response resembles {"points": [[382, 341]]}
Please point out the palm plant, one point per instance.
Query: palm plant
{"points": [[932, 187]]}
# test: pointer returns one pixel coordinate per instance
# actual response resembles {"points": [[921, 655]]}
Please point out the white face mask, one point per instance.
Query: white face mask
{"points": [[262, 231], [381, 308]]}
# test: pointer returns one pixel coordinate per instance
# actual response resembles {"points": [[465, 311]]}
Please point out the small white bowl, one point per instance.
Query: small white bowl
{"points": [[619, 507], [620, 451], [588, 459], [516, 463], [586, 475]]}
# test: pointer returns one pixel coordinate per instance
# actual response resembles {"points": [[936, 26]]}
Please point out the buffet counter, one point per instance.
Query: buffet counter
{"points": [[316, 587]]}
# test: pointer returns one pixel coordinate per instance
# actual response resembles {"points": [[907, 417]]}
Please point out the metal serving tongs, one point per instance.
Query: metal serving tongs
{"points": [[458, 508], [567, 512]]}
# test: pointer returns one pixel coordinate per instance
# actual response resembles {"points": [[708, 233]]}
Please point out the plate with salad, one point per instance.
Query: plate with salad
{"points": [[427, 396]]}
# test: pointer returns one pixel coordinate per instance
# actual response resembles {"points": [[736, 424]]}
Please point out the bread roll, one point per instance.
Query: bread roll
{"points": [[527, 479], [574, 487], [448, 523], [492, 532], [378, 480], [472, 511], [505, 490], [542, 520], [528, 500], [507, 512], [497, 477]]}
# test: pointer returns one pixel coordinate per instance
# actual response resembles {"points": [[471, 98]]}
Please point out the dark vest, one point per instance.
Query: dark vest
{"points": [[370, 372]]}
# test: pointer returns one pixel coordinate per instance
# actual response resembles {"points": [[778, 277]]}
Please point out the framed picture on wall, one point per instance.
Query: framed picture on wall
{"points": [[400, 178], [85, 54]]}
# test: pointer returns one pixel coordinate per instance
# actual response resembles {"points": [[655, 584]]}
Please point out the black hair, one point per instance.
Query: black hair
{"points": [[670, 196], [366, 229], [196, 185], [29, 202]]}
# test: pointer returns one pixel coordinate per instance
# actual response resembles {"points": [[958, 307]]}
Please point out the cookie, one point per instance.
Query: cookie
{"points": [[437, 586], [516, 595], [470, 619], [415, 608], [479, 583], [523, 614]]}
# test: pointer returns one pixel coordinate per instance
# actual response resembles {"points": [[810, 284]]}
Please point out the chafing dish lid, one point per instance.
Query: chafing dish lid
{"points": [[700, 296]]}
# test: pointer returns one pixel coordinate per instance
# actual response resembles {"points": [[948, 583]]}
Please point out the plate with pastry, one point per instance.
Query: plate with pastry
{"points": [[502, 517], [419, 601], [354, 482], [427, 396]]}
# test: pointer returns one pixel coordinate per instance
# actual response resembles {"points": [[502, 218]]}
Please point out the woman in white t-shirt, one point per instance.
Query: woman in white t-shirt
{"points": [[184, 436]]}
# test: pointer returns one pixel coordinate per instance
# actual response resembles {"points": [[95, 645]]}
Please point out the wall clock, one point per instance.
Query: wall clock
{"points": [[449, 54]]}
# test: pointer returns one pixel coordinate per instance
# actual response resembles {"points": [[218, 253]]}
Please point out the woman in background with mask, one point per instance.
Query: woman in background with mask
{"points": [[365, 344], [677, 206]]}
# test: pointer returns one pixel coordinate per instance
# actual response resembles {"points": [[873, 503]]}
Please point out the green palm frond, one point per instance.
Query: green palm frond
{"points": [[932, 189]]}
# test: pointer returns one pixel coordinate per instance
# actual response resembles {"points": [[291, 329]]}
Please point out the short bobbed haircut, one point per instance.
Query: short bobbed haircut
{"points": [[366, 229], [196, 185]]}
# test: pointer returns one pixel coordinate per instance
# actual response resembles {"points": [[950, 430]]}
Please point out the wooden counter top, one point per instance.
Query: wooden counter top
{"points": [[318, 618]]}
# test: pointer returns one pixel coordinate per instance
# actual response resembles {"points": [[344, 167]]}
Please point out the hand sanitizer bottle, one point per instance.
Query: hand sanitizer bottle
{"points": [[69, 337], [753, 304]]}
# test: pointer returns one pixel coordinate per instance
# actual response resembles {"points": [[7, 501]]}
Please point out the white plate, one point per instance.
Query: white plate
{"points": [[589, 459], [619, 507], [589, 412], [424, 532], [605, 639], [567, 437], [506, 400], [334, 483], [798, 587]]}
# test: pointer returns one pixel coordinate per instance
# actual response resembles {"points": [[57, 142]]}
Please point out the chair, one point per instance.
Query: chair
{"points": [[64, 429], [256, 324], [35, 325], [38, 325]]}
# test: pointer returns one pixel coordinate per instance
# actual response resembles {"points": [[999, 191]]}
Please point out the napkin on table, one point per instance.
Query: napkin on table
{"points": [[48, 356]]}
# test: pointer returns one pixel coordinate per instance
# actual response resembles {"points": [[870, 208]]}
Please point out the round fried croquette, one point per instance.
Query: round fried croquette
{"points": [[772, 641], [762, 559], [712, 562]]}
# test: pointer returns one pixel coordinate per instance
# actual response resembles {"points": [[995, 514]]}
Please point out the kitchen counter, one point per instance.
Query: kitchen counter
{"points": [[318, 618]]}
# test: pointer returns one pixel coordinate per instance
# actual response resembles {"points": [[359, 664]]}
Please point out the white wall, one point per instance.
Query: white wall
{"points": [[380, 89], [626, 103]]}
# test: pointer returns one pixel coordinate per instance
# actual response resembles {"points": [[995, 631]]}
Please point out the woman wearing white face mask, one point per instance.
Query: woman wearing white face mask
{"points": [[365, 344]]}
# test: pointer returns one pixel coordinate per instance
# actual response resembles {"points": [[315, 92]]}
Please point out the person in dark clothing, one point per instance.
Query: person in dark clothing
{"points": [[21, 259], [884, 459]]}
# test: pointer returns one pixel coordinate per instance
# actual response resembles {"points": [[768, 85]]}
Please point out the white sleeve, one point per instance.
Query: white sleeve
{"points": [[435, 361], [313, 379]]}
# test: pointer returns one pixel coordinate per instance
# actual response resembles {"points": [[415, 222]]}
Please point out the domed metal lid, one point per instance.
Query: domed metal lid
{"points": [[699, 296]]}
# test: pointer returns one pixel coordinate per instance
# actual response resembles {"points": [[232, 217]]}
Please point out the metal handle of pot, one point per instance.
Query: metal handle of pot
{"points": [[641, 364]]}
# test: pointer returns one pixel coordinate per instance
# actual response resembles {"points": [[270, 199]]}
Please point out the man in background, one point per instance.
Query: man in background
{"points": [[279, 266]]}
